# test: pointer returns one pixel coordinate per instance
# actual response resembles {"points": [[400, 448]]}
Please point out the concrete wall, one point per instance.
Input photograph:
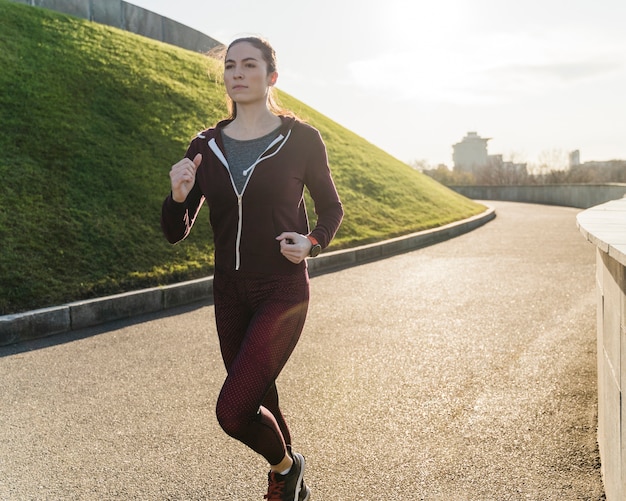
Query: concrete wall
{"points": [[605, 227], [49, 321], [131, 18], [582, 196], [79, 315]]}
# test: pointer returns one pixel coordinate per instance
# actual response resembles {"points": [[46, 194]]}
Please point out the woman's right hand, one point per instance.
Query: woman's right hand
{"points": [[183, 177]]}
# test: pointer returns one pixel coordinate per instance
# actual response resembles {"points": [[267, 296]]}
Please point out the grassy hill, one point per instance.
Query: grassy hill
{"points": [[91, 120]]}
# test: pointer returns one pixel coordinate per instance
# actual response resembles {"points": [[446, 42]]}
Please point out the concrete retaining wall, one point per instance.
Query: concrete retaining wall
{"points": [[81, 314], [581, 196], [131, 18], [605, 227]]}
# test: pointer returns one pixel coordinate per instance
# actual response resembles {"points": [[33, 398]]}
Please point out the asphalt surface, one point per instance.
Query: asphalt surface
{"points": [[461, 371]]}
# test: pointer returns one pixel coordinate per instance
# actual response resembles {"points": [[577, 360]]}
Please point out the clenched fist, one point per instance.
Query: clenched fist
{"points": [[293, 246], [183, 177]]}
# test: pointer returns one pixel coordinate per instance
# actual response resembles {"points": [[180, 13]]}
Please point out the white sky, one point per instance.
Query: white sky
{"points": [[413, 76]]}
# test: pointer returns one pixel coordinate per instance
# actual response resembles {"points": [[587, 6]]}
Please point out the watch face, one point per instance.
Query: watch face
{"points": [[315, 250]]}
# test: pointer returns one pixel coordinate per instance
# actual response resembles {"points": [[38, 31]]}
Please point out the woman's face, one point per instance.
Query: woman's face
{"points": [[245, 74]]}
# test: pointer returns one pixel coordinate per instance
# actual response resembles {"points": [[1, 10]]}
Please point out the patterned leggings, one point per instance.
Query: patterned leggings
{"points": [[259, 321]]}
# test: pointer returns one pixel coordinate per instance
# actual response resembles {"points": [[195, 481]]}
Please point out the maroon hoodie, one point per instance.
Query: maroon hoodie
{"points": [[245, 225]]}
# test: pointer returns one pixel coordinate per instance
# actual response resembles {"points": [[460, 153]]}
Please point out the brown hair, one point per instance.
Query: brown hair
{"points": [[269, 56]]}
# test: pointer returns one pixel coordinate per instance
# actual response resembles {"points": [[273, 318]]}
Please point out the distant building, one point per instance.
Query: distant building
{"points": [[574, 161], [507, 169], [593, 171], [574, 158], [470, 153]]}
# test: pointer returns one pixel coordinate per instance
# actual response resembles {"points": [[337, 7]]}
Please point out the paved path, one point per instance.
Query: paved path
{"points": [[461, 371]]}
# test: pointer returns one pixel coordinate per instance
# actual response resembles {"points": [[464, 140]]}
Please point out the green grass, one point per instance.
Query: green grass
{"points": [[91, 120]]}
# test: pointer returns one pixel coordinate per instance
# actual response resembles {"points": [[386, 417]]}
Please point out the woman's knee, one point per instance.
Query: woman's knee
{"points": [[231, 420]]}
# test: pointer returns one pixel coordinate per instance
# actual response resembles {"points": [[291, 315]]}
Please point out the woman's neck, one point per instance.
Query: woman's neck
{"points": [[251, 123]]}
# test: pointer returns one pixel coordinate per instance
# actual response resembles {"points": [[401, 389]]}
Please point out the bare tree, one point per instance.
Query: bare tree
{"points": [[420, 165], [551, 161]]}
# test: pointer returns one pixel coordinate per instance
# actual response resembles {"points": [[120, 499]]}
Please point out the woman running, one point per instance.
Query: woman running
{"points": [[251, 169]]}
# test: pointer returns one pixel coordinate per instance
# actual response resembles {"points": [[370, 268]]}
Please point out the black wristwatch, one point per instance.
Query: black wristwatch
{"points": [[316, 248]]}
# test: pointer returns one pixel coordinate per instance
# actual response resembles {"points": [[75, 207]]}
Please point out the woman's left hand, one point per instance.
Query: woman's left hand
{"points": [[294, 246]]}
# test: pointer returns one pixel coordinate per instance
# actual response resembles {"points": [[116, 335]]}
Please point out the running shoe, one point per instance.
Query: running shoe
{"points": [[289, 487]]}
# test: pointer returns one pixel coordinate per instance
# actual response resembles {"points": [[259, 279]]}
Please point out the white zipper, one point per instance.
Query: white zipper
{"points": [[239, 223], [248, 173]]}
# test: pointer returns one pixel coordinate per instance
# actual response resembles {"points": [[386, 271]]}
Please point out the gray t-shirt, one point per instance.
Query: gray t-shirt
{"points": [[242, 154]]}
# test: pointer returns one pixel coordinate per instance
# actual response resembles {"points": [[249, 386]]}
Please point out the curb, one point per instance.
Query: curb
{"points": [[45, 322]]}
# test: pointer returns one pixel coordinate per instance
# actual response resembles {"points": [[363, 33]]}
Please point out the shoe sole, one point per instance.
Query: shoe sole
{"points": [[300, 477], [308, 495]]}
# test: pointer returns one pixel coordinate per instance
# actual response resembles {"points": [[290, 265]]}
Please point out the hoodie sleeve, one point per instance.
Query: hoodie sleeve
{"points": [[321, 186], [177, 218]]}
